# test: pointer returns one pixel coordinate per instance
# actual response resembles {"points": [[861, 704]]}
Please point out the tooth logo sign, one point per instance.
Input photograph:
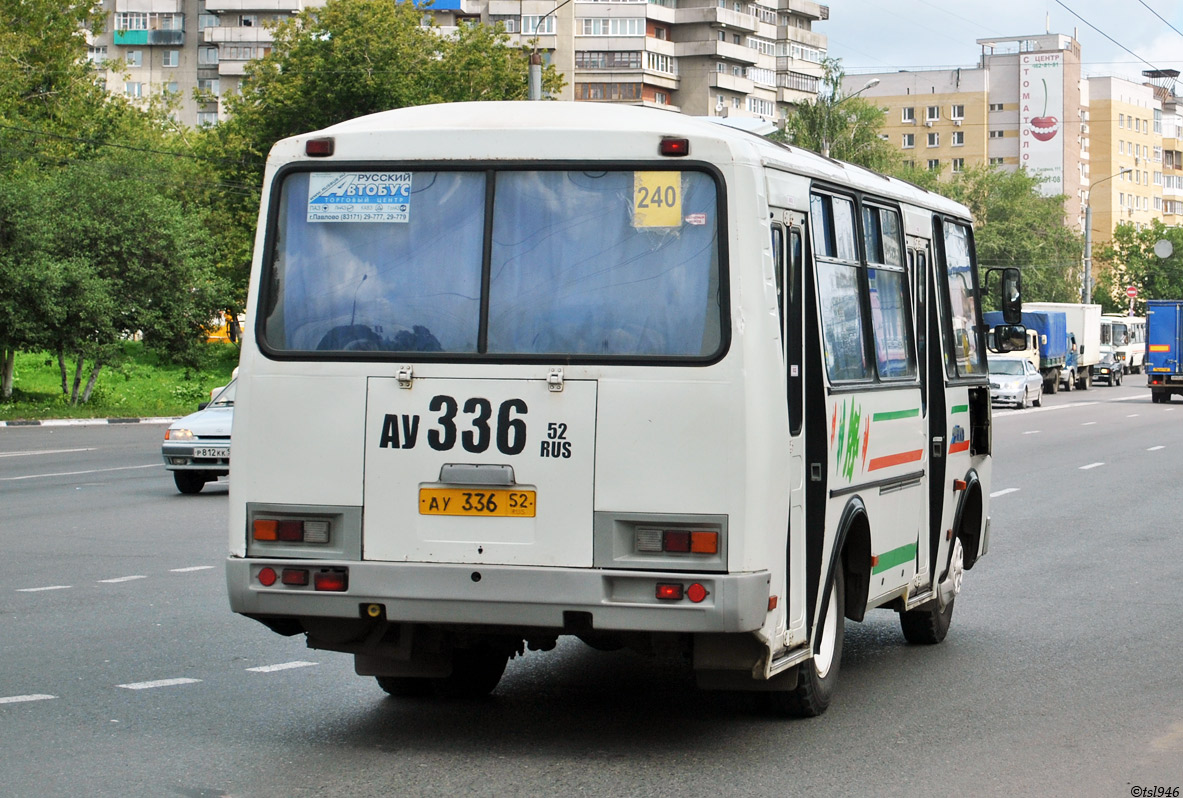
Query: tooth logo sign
{"points": [[1044, 127]]}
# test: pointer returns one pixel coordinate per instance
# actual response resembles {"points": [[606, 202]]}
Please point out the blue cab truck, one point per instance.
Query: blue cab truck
{"points": [[1164, 348], [1054, 351]]}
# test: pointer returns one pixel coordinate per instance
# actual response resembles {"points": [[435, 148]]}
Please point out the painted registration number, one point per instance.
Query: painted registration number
{"points": [[479, 502]]}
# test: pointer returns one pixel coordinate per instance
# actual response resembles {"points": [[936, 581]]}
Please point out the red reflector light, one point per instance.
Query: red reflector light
{"points": [[696, 592], [676, 541], [267, 577], [704, 542], [290, 531], [335, 581], [674, 147], [295, 576], [668, 592], [318, 148]]}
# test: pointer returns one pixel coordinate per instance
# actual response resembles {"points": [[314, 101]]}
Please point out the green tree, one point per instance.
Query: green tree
{"points": [[1129, 259], [116, 256], [840, 125], [1016, 225]]}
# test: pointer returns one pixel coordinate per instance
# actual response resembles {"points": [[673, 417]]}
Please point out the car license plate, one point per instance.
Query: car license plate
{"points": [[212, 451], [491, 502]]}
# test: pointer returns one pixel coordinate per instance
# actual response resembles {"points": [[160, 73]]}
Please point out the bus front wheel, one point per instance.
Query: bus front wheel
{"points": [[817, 678]]}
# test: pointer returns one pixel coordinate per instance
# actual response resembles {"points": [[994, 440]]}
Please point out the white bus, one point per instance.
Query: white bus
{"points": [[520, 371], [1127, 338]]}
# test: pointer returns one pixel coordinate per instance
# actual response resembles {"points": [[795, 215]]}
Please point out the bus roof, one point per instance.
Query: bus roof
{"points": [[573, 118]]}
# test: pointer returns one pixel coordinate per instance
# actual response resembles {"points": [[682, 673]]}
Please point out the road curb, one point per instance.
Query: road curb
{"points": [[88, 422]]}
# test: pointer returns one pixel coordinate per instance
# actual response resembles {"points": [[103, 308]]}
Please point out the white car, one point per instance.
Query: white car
{"points": [[1016, 382], [197, 447]]}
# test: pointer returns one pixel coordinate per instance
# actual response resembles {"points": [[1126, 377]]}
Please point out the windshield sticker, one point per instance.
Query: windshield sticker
{"points": [[359, 197], [657, 199]]}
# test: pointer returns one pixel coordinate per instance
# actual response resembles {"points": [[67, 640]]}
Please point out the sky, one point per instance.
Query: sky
{"points": [[1118, 38]]}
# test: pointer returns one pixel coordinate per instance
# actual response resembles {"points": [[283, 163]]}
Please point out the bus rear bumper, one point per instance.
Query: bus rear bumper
{"points": [[504, 596]]}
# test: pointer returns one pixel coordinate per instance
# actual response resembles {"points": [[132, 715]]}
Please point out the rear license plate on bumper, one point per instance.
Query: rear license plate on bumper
{"points": [[489, 502]]}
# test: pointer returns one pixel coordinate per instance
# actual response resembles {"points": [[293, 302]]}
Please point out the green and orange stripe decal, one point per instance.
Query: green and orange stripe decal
{"points": [[960, 446], [899, 458], [894, 558]]}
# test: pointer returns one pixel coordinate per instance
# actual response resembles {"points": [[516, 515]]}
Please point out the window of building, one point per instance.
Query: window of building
{"points": [[932, 113], [508, 22], [909, 115], [205, 118], [172, 58], [1158, 178], [531, 24], [958, 164], [957, 112], [934, 165], [765, 77], [96, 54], [736, 102], [608, 59], [1121, 147], [1157, 121], [958, 138], [207, 21], [761, 107], [134, 58], [662, 63], [934, 139], [213, 86], [207, 55], [1121, 120], [661, 98], [661, 32], [133, 89], [607, 91], [995, 106], [131, 20], [997, 161], [736, 38], [997, 134], [909, 141]]}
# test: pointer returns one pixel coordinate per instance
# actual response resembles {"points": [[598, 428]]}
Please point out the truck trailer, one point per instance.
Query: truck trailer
{"points": [[1164, 345]]}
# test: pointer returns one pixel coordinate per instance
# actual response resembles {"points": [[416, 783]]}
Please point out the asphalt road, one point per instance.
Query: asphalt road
{"points": [[123, 672]]}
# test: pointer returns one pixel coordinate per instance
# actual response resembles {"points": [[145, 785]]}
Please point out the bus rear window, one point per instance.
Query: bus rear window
{"points": [[612, 263]]}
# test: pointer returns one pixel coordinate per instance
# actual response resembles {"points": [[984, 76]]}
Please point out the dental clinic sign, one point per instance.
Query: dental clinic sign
{"points": [[1041, 114]]}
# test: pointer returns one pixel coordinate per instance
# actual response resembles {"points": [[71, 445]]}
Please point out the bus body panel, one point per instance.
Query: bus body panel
{"points": [[615, 453]]}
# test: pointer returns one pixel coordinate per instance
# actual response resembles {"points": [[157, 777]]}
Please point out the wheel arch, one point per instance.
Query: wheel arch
{"points": [[852, 553], [969, 519]]}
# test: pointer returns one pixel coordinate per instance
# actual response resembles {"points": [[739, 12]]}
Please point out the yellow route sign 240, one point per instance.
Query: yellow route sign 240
{"points": [[657, 199]]}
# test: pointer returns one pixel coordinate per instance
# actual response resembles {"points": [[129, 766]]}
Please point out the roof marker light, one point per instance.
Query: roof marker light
{"points": [[318, 148], [674, 147]]}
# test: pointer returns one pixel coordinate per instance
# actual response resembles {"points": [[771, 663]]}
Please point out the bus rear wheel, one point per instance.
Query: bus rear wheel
{"points": [[817, 678], [929, 624], [475, 672]]}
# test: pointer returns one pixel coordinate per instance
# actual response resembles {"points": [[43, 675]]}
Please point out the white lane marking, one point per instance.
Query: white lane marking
{"points": [[1155, 448], [1133, 415], [76, 473], [1045, 409], [1088, 423], [157, 683], [283, 666], [190, 569], [19, 699], [1032, 432], [46, 451], [120, 579], [1091, 465], [39, 589], [1003, 492]]}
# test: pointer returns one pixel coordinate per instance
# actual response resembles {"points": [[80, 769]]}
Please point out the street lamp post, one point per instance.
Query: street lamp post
{"points": [[1086, 279], [870, 84]]}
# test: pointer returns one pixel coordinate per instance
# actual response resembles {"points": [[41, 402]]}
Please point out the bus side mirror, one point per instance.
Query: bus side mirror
{"points": [[1009, 338], [1011, 300]]}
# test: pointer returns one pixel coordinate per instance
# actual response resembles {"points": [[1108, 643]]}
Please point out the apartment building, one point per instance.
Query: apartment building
{"points": [[751, 58], [1024, 104]]}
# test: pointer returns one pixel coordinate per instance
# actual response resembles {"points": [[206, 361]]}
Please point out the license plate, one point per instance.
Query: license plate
{"points": [[490, 502], [212, 451]]}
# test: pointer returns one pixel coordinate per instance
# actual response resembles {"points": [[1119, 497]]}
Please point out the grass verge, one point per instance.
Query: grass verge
{"points": [[141, 385]]}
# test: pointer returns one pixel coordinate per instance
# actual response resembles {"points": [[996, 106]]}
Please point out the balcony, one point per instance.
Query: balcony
{"points": [[805, 8], [717, 49], [232, 69], [725, 80], [171, 38], [249, 34], [715, 16], [149, 6], [216, 6]]}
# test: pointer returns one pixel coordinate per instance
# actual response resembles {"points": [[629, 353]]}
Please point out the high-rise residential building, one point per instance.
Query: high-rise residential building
{"points": [[1024, 104], [750, 58]]}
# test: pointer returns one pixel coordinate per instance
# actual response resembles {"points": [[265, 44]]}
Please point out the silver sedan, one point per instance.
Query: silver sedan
{"points": [[197, 447], [1015, 382]]}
